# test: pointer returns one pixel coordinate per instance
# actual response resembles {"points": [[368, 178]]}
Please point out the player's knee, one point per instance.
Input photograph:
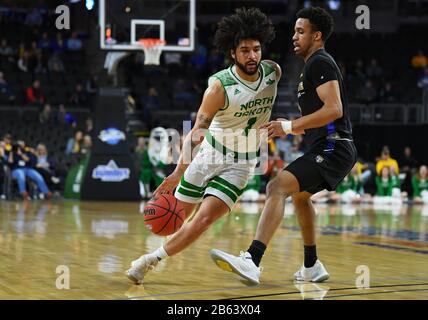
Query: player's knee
{"points": [[275, 188], [300, 201]]}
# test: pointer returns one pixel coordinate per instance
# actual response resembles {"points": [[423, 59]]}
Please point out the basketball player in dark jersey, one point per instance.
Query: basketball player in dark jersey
{"points": [[325, 121]]}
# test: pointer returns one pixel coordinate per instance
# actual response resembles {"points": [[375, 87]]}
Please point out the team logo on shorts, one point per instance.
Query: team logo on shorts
{"points": [[319, 159]]}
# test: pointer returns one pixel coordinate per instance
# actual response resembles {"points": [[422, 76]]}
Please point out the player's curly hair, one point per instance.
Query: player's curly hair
{"points": [[320, 19], [244, 24]]}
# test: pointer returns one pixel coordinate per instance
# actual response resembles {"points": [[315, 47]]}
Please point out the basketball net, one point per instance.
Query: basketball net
{"points": [[152, 50]]}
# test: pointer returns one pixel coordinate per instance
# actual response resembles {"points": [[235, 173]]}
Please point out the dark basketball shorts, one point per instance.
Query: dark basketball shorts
{"points": [[324, 166]]}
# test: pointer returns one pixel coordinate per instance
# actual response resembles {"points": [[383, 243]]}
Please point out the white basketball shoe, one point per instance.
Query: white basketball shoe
{"points": [[317, 273], [242, 265], [140, 267]]}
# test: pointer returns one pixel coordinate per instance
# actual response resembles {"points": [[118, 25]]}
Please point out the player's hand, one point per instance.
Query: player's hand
{"points": [[168, 184], [275, 129]]}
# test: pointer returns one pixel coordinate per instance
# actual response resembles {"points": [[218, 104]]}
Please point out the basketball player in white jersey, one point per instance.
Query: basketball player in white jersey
{"points": [[236, 103]]}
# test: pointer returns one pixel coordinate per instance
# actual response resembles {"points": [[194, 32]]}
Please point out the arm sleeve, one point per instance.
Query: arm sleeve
{"points": [[321, 72]]}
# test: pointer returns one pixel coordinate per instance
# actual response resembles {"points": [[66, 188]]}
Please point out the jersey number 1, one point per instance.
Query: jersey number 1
{"points": [[250, 124]]}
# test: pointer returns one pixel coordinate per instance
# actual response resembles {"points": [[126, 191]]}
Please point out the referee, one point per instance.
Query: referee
{"points": [[331, 155]]}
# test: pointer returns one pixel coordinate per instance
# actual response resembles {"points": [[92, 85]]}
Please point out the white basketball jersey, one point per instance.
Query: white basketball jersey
{"points": [[235, 127]]}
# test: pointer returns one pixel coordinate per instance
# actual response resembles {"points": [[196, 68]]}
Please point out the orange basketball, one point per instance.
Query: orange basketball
{"points": [[163, 215]]}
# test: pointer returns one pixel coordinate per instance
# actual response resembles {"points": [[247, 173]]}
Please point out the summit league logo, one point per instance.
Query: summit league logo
{"points": [[110, 172]]}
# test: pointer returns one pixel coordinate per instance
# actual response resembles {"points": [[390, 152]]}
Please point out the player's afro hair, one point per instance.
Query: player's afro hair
{"points": [[244, 24], [320, 20]]}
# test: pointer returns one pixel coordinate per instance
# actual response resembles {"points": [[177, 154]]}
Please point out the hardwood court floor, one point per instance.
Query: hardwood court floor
{"points": [[98, 240]]}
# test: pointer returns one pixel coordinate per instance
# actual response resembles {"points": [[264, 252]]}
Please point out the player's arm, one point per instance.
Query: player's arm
{"points": [[332, 109], [277, 68], [328, 91], [212, 102]]}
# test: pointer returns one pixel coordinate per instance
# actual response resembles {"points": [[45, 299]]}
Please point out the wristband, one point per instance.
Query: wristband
{"points": [[286, 126]]}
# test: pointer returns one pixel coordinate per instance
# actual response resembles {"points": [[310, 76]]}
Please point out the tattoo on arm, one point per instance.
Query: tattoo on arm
{"points": [[204, 122]]}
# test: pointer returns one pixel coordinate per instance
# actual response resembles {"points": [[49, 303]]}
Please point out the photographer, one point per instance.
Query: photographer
{"points": [[19, 163]]}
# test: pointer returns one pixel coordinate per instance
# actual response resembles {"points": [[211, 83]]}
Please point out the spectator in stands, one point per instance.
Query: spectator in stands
{"points": [[65, 118], [149, 103], [74, 144], [423, 80], [367, 94], [152, 99], [41, 65], [359, 70], [55, 64], [58, 46], [86, 144], [215, 61], [92, 85], [374, 70], [140, 148], [420, 60], [19, 165], [33, 57], [21, 49], [46, 165], [89, 126], [408, 165], [420, 185], [348, 190], [34, 18], [29, 152], [45, 115], [6, 52], [388, 93], [363, 171], [182, 91], [198, 60], [173, 63], [74, 43], [44, 44], [23, 61], [385, 183], [34, 93], [408, 162], [386, 161], [5, 88], [130, 106], [78, 97]]}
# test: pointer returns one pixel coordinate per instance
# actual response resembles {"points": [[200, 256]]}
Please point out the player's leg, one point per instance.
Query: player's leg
{"points": [[190, 192], [281, 187], [211, 209], [247, 264], [312, 270], [301, 174], [189, 208], [306, 217]]}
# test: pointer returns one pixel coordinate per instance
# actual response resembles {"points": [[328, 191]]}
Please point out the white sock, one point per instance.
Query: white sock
{"points": [[160, 253]]}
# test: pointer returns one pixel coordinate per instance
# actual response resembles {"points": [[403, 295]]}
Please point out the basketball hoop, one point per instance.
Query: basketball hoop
{"points": [[152, 50]]}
